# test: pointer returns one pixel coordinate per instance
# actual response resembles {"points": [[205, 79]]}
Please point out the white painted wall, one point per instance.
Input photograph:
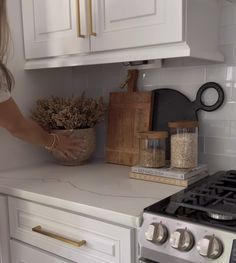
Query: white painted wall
{"points": [[218, 129]]}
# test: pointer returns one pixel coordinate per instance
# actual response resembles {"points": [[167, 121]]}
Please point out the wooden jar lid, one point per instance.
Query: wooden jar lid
{"points": [[183, 124], [153, 135]]}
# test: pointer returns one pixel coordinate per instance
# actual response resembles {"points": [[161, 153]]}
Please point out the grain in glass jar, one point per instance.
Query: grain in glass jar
{"points": [[152, 147], [184, 144]]}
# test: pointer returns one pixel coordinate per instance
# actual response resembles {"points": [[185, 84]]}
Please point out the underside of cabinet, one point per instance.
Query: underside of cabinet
{"points": [[175, 50]]}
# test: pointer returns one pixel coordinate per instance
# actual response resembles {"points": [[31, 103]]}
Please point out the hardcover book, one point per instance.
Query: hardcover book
{"points": [[170, 171], [167, 180]]}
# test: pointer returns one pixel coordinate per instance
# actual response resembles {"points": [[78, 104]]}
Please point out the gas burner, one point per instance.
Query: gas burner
{"points": [[218, 216]]}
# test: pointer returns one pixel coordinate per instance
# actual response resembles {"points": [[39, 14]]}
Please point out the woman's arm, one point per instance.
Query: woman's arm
{"points": [[12, 119]]}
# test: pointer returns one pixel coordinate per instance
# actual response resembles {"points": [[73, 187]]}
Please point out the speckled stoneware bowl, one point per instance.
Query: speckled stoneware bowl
{"points": [[84, 153]]}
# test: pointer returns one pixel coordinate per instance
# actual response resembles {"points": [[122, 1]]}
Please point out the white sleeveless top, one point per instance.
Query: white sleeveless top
{"points": [[4, 92]]}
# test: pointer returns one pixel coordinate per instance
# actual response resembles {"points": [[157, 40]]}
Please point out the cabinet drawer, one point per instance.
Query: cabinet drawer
{"points": [[61, 233], [21, 253]]}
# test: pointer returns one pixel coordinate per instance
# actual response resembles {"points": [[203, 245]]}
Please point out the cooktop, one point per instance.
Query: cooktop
{"points": [[211, 201]]}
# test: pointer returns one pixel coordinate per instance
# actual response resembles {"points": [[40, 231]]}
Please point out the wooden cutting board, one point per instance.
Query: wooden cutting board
{"points": [[129, 113]]}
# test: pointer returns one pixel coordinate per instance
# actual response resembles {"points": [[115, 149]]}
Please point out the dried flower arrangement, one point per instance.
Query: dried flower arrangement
{"points": [[68, 113]]}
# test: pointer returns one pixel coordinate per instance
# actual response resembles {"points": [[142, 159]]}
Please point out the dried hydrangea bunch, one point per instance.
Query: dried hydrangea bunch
{"points": [[68, 113]]}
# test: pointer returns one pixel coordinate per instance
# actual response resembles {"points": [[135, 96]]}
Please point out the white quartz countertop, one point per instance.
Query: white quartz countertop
{"points": [[96, 189]]}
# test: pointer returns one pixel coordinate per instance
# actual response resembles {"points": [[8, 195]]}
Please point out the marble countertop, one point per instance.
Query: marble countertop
{"points": [[96, 189]]}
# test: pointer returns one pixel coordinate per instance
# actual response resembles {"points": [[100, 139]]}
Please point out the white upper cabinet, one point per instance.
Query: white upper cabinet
{"points": [[54, 28], [135, 23], [107, 31]]}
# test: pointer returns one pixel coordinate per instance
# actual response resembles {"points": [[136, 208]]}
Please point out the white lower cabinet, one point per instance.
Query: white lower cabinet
{"points": [[4, 231], [21, 253], [67, 235]]}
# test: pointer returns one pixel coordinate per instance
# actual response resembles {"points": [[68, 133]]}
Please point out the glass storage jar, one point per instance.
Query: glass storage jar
{"points": [[152, 148], [184, 144]]}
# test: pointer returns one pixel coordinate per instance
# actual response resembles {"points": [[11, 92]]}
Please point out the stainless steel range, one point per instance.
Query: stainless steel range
{"points": [[196, 225]]}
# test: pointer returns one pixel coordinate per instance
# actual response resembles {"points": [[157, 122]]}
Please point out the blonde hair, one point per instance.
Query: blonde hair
{"points": [[4, 44]]}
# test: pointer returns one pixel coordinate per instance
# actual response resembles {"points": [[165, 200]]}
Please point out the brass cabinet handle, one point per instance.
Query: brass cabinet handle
{"points": [[79, 20], [92, 33], [39, 230]]}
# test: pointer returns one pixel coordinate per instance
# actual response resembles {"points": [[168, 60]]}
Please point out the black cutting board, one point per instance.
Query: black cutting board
{"points": [[171, 105]]}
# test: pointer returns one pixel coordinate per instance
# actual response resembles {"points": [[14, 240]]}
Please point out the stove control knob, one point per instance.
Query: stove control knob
{"points": [[210, 247], [156, 233], [182, 239]]}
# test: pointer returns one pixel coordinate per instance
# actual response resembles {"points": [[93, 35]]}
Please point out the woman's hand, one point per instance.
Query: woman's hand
{"points": [[65, 144], [68, 145]]}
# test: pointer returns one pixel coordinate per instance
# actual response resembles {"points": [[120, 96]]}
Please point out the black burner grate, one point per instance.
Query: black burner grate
{"points": [[214, 194]]}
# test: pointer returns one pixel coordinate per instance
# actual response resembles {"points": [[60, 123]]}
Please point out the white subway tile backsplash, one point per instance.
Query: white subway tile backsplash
{"points": [[214, 128], [228, 14], [220, 146], [218, 162], [226, 112], [232, 98], [228, 35], [233, 128], [111, 77], [101, 139], [229, 53], [216, 73], [183, 75], [201, 144]]}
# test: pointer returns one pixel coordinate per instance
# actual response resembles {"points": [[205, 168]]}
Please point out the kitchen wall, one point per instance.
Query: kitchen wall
{"points": [[217, 142]]}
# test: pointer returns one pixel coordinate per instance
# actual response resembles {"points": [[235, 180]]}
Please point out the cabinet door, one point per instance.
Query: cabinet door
{"points": [[125, 24], [53, 27], [21, 253], [4, 231]]}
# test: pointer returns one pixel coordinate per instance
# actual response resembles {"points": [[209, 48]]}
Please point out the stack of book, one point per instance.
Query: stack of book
{"points": [[170, 175]]}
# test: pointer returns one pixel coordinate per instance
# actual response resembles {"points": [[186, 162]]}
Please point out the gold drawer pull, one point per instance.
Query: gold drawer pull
{"points": [[91, 33], [39, 230], [79, 20]]}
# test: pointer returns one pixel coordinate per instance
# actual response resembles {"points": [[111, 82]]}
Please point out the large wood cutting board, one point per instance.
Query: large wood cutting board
{"points": [[129, 113]]}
